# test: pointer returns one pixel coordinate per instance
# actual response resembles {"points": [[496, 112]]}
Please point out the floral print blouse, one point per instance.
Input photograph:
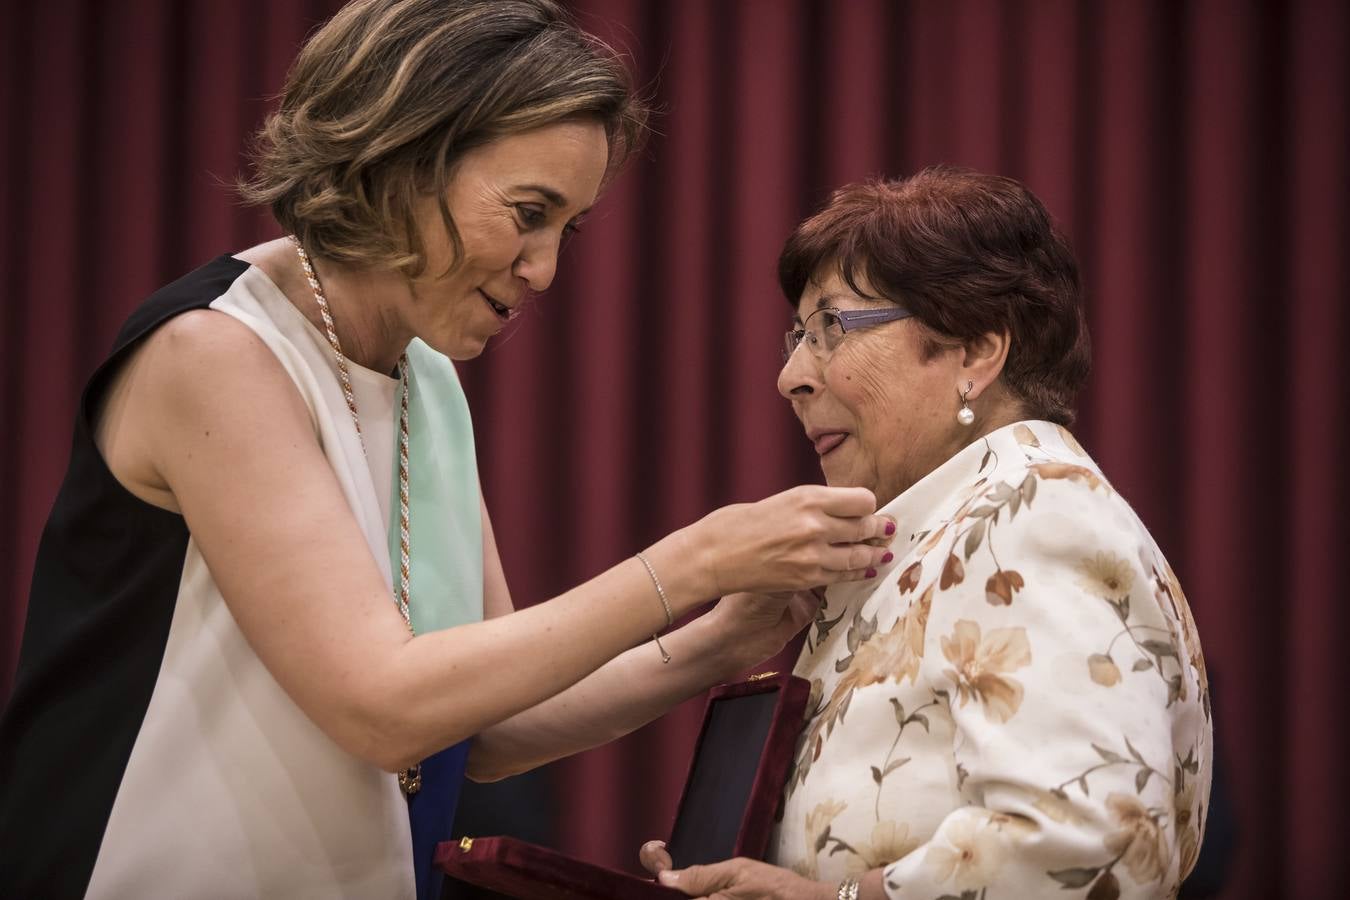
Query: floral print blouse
{"points": [[1016, 707]]}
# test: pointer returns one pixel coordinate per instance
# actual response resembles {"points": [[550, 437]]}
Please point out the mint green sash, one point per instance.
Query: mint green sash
{"points": [[445, 522]]}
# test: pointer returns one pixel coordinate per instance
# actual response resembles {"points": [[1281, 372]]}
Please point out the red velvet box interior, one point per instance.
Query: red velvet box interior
{"points": [[730, 798]]}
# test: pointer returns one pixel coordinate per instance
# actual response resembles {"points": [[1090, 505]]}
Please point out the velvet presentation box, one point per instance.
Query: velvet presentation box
{"points": [[730, 799]]}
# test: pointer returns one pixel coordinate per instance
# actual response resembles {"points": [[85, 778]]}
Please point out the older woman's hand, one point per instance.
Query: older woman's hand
{"points": [[734, 879], [654, 857]]}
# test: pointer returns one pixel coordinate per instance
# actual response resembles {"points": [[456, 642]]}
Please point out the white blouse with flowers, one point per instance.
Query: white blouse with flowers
{"points": [[1016, 707]]}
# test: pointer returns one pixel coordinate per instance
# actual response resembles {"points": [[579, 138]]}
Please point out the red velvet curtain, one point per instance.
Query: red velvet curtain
{"points": [[1197, 153]]}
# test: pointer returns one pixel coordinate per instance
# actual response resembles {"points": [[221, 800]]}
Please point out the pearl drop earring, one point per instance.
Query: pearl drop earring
{"points": [[965, 415]]}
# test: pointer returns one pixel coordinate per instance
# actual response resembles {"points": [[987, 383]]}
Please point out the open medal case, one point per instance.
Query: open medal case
{"points": [[727, 809]]}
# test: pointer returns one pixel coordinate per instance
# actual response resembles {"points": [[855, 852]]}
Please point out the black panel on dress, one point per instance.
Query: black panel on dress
{"points": [[104, 589]]}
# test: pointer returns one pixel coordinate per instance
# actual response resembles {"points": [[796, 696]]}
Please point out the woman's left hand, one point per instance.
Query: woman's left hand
{"points": [[745, 879], [735, 879], [756, 626]]}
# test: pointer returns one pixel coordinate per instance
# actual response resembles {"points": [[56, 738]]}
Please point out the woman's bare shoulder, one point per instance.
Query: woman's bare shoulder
{"points": [[195, 371]]}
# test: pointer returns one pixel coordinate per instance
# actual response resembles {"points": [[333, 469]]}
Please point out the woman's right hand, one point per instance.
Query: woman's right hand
{"points": [[799, 539]]}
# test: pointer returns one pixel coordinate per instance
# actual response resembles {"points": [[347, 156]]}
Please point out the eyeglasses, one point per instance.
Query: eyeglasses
{"points": [[825, 328]]}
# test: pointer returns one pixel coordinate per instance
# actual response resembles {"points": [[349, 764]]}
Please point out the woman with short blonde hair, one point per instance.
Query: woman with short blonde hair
{"points": [[269, 630]]}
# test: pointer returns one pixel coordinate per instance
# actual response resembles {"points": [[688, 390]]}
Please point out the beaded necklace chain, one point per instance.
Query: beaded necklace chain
{"points": [[410, 780]]}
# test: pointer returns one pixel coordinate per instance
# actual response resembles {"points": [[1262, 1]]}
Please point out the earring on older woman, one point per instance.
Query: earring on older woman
{"points": [[965, 415]]}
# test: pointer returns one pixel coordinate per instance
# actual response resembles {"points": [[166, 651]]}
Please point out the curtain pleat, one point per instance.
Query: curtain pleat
{"points": [[1311, 296]]}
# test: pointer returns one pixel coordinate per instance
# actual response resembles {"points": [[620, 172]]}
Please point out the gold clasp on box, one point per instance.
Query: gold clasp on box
{"points": [[465, 844], [761, 676]]}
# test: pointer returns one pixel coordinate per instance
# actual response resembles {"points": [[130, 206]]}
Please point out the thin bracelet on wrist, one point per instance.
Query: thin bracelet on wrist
{"points": [[848, 889], [665, 604]]}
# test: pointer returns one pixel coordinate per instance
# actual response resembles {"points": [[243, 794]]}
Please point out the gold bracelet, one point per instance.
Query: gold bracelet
{"points": [[848, 889], [665, 604]]}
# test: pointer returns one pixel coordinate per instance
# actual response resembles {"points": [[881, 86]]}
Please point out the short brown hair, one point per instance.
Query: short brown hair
{"points": [[383, 100], [967, 254]]}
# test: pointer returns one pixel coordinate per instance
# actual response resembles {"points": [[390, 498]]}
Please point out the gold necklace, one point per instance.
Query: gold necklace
{"points": [[410, 780]]}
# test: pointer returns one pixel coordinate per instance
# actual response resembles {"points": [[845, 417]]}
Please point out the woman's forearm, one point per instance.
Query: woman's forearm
{"points": [[445, 686], [621, 696], [871, 887]]}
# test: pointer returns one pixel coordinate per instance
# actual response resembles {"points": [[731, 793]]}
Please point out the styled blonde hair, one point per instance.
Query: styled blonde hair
{"points": [[385, 98]]}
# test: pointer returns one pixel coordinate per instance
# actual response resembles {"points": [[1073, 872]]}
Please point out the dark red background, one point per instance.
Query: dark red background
{"points": [[1197, 153]]}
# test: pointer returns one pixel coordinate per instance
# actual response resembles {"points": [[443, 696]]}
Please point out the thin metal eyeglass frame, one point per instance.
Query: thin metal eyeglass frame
{"points": [[849, 319]]}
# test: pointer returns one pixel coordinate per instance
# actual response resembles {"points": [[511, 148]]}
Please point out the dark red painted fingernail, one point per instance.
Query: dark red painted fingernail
{"points": [[888, 557], [871, 573], [890, 528]]}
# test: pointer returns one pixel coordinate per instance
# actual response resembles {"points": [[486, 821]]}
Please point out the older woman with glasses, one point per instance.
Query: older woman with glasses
{"points": [[1017, 707]]}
